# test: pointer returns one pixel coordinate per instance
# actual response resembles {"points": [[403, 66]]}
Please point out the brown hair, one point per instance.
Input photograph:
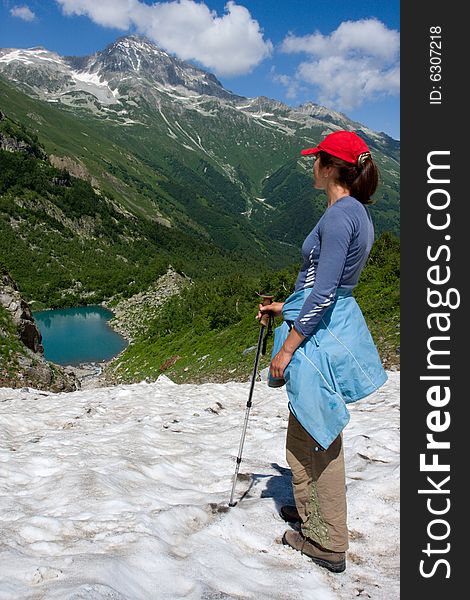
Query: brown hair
{"points": [[360, 180]]}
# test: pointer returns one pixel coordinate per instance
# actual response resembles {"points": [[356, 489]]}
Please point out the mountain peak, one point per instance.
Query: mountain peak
{"points": [[132, 53], [137, 43], [138, 57]]}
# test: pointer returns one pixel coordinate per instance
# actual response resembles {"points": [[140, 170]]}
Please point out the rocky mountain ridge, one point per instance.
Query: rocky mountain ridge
{"points": [[53, 77], [131, 67]]}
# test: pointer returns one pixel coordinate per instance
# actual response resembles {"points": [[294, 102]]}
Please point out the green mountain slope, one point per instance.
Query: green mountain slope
{"points": [[202, 162], [65, 243], [137, 171], [209, 332]]}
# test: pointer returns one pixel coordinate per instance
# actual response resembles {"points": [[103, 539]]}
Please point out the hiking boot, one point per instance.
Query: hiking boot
{"points": [[289, 513], [333, 561]]}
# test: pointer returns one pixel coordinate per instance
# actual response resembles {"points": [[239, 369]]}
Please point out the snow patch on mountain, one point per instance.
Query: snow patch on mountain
{"points": [[30, 56], [67, 81]]}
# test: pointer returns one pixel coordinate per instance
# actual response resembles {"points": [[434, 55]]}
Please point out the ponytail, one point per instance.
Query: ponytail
{"points": [[365, 184]]}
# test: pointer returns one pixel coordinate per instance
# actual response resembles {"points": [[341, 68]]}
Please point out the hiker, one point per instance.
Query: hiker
{"points": [[323, 351]]}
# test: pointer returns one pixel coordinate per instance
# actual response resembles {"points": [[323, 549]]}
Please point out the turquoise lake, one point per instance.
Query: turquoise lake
{"points": [[71, 336]]}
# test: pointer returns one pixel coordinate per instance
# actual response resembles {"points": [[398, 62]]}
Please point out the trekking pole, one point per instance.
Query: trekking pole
{"points": [[264, 322]]}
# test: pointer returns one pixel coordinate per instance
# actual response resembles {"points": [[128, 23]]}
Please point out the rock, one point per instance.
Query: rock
{"points": [[169, 363], [12, 144], [250, 349], [20, 312], [30, 336], [73, 166], [131, 315], [28, 367]]}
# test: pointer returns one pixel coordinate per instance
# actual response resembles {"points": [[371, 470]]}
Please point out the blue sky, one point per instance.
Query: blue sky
{"points": [[341, 54]]}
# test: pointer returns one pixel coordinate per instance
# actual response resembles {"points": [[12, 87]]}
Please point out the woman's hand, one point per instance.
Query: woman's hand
{"points": [[284, 356], [275, 308], [279, 363]]}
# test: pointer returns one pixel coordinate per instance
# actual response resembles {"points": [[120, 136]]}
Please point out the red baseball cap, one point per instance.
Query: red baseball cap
{"points": [[346, 145]]}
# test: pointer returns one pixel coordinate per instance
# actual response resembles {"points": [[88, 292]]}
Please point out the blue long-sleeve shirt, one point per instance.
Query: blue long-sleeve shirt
{"points": [[334, 254]]}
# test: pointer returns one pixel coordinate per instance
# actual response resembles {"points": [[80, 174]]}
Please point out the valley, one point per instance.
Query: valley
{"points": [[116, 167]]}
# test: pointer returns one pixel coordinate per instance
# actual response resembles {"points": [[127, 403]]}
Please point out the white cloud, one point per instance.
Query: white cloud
{"points": [[23, 12], [358, 62], [108, 13], [291, 84], [232, 44]]}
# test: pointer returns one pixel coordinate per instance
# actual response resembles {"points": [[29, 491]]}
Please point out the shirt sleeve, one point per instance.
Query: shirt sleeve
{"points": [[336, 232]]}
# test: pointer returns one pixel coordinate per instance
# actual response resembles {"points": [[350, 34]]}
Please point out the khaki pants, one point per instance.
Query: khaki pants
{"points": [[318, 481]]}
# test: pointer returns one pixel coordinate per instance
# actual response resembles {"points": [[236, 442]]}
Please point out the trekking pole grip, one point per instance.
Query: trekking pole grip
{"points": [[267, 299]]}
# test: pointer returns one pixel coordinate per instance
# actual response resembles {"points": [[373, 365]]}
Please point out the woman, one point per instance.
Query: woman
{"points": [[323, 351]]}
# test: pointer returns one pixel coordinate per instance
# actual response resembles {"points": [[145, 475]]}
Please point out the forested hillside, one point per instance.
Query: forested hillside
{"points": [[209, 332], [66, 243]]}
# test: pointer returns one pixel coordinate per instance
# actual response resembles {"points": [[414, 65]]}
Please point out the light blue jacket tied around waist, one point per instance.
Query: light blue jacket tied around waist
{"points": [[337, 364]]}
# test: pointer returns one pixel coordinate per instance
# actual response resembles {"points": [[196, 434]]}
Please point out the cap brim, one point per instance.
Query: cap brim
{"points": [[308, 151]]}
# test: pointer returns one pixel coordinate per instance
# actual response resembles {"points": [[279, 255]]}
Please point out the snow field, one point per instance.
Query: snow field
{"points": [[121, 493]]}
